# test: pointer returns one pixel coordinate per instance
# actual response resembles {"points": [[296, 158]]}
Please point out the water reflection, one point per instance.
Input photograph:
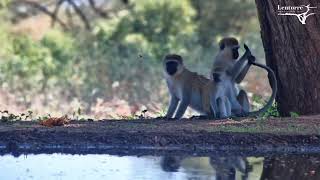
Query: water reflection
{"points": [[224, 168], [62, 166], [292, 167]]}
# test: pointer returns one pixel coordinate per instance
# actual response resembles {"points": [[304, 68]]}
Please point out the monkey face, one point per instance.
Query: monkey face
{"points": [[173, 64], [172, 67]]}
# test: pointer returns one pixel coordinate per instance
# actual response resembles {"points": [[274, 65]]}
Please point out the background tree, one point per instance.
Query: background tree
{"points": [[293, 51], [105, 55]]}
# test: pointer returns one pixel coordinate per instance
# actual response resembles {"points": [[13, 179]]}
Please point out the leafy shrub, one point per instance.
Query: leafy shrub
{"points": [[119, 59]]}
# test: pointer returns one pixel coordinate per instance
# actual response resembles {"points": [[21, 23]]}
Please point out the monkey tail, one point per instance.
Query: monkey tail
{"points": [[274, 87]]}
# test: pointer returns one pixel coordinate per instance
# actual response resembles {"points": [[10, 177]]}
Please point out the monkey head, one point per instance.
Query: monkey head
{"points": [[173, 64], [229, 46]]}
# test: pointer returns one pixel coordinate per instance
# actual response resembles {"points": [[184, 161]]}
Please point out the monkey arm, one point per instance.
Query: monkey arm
{"points": [[245, 69], [182, 107], [172, 106], [241, 67], [243, 73]]}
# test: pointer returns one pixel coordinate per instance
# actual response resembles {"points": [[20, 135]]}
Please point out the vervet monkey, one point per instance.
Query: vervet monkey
{"points": [[226, 63], [190, 89], [229, 74]]}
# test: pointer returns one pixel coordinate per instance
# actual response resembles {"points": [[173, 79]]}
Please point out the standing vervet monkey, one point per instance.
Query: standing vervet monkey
{"points": [[190, 89], [226, 63]]}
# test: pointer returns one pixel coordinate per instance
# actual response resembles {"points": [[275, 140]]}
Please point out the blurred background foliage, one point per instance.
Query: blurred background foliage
{"points": [[114, 66]]}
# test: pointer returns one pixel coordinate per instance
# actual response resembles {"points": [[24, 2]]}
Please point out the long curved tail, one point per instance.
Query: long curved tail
{"points": [[274, 87]]}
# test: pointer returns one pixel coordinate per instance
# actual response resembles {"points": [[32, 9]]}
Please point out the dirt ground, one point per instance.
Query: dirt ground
{"points": [[156, 136]]}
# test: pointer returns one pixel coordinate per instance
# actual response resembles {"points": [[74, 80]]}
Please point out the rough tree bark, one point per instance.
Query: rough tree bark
{"points": [[293, 51]]}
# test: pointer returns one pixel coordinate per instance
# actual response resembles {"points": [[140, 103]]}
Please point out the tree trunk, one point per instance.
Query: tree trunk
{"points": [[293, 51]]}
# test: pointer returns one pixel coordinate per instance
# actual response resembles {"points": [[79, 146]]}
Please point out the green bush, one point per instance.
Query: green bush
{"points": [[164, 24], [128, 49], [32, 67], [121, 56], [28, 61]]}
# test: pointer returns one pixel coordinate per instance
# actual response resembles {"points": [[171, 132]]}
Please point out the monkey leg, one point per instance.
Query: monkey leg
{"points": [[228, 107], [236, 106], [172, 107], [243, 100], [182, 107], [224, 107], [221, 111], [214, 107]]}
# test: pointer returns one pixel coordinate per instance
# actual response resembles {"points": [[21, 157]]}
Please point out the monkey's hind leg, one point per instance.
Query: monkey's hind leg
{"points": [[224, 107], [244, 101], [228, 107]]}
